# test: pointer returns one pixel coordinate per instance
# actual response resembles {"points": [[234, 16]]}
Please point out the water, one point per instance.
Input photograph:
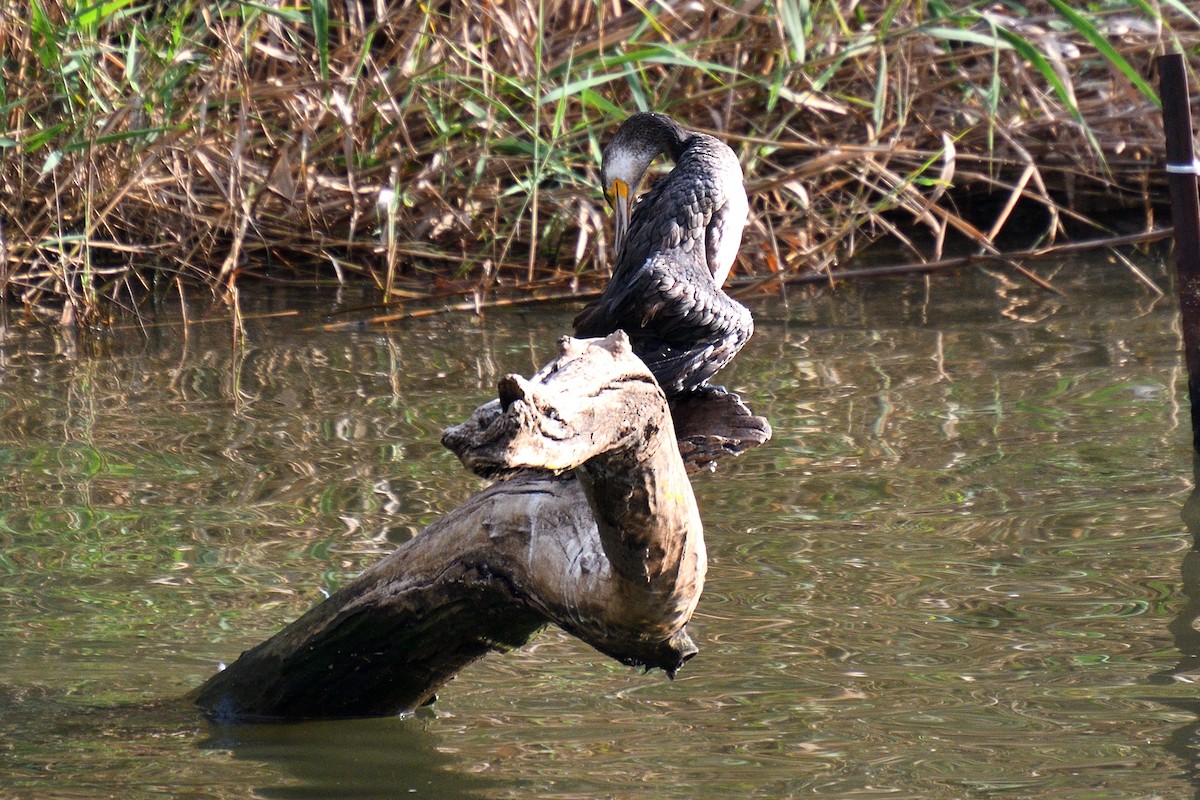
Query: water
{"points": [[958, 570]]}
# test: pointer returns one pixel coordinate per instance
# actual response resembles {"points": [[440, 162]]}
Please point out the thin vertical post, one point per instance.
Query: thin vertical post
{"points": [[1185, 213]]}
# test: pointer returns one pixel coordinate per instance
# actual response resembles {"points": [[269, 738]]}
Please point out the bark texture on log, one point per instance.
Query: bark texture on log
{"points": [[591, 526]]}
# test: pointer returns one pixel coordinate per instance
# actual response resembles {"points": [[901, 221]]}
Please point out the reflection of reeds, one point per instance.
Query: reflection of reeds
{"points": [[450, 149]]}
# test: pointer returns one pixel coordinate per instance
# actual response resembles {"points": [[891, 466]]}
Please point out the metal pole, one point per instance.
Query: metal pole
{"points": [[1185, 213]]}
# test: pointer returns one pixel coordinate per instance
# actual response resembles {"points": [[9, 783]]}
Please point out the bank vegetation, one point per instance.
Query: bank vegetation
{"points": [[447, 152]]}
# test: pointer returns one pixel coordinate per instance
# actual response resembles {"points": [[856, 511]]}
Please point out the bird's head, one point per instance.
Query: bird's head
{"points": [[639, 140], [620, 177]]}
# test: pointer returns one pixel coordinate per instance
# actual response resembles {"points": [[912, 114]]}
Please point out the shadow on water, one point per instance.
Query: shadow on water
{"points": [[361, 758], [141, 747], [1184, 743]]}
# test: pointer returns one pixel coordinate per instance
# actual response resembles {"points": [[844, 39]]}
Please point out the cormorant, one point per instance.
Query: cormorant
{"points": [[673, 253]]}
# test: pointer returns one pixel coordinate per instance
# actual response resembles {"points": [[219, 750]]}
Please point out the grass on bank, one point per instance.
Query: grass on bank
{"points": [[451, 149]]}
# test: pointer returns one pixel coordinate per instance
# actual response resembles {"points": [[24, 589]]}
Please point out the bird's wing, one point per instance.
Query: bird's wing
{"points": [[679, 322]]}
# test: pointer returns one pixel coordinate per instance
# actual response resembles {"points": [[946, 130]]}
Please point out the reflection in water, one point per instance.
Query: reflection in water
{"points": [[1185, 742], [373, 758]]}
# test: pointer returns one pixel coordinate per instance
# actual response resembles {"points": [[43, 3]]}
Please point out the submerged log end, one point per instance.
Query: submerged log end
{"points": [[370, 650]]}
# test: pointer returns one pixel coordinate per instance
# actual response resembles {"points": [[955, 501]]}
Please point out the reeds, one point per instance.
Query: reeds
{"points": [[451, 149]]}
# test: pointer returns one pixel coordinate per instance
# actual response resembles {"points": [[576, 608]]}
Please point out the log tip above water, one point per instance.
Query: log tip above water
{"points": [[669, 654], [551, 421]]}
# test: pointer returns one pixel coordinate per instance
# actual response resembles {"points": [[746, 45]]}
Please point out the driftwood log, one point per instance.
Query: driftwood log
{"points": [[591, 526]]}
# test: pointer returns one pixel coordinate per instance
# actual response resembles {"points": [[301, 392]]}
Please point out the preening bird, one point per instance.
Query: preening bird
{"points": [[675, 247]]}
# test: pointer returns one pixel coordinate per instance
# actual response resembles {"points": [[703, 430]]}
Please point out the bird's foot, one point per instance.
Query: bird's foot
{"points": [[704, 391]]}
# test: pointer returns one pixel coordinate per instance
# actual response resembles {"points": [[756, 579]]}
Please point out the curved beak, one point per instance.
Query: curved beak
{"points": [[618, 197]]}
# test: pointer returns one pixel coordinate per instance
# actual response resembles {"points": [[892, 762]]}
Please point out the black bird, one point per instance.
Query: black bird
{"points": [[673, 253]]}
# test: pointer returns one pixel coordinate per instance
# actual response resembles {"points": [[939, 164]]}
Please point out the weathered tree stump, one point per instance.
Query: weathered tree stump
{"points": [[592, 527]]}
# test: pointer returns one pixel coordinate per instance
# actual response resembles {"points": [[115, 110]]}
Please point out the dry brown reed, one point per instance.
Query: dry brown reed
{"points": [[449, 150]]}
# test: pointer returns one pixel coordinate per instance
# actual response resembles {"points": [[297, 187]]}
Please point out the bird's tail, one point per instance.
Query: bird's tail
{"points": [[592, 321]]}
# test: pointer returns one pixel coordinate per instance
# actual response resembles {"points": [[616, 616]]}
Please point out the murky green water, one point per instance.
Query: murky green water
{"points": [[955, 571]]}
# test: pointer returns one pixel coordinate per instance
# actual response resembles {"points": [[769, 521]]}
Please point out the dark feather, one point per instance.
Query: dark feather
{"points": [[663, 292]]}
